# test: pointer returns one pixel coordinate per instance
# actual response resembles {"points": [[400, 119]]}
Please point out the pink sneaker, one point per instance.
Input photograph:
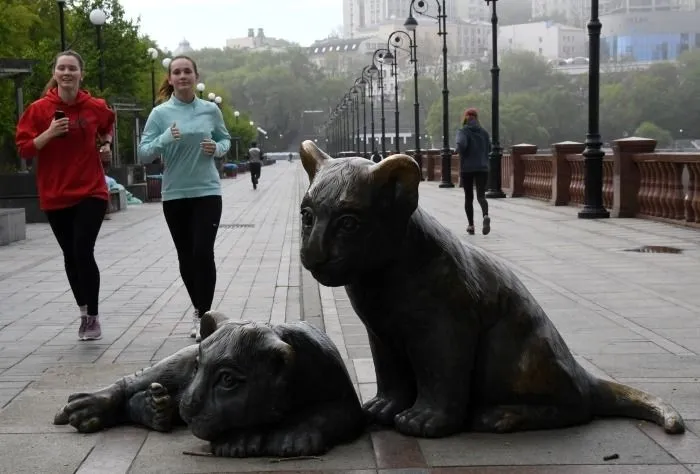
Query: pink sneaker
{"points": [[81, 330], [93, 331]]}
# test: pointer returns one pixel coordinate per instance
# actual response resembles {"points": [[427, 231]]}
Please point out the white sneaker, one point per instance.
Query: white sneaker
{"points": [[195, 327]]}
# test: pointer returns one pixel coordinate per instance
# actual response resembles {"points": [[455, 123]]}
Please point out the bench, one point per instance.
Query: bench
{"points": [[12, 226]]}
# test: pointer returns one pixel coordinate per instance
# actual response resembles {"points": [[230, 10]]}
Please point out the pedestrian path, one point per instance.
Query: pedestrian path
{"points": [[628, 315]]}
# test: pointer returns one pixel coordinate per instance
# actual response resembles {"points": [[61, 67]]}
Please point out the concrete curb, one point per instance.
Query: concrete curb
{"points": [[310, 293]]}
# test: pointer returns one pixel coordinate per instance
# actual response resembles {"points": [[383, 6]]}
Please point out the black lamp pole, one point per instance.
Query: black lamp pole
{"points": [[367, 71], [338, 135], [356, 107], [593, 154], [416, 105], [334, 134], [98, 18], [349, 139], [378, 56], [351, 125], [62, 22], [419, 7], [153, 82], [343, 127], [101, 57], [494, 189], [395, 73], [363, 83]]}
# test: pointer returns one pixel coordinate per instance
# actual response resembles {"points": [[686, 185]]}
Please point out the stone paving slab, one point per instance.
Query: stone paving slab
{"points": [[626, 315]]}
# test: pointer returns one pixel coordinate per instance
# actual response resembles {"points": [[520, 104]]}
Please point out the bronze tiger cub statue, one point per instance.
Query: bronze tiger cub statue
{"points": [[250, 389], [458, 342]]}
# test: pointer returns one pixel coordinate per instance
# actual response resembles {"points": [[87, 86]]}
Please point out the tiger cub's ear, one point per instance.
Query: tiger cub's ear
{"points": [[312, 158], [210, 322]]}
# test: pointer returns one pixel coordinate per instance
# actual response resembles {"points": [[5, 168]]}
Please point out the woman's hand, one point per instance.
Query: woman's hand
{"points": [[175, 131], [58, 127], [105, 152], [208, 146]]}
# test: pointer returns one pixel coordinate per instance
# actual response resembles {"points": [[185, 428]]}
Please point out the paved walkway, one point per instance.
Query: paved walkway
{"points": [[627, 315]]}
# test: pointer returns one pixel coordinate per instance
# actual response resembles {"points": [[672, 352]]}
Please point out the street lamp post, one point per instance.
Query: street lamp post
{"points": [[62, 22], [496, 155], [593, 154], [98, 18], [396, 36], [211, 96], [390, 59], [363, 83], [218, 100], [351, 124], [378, 56], [200, 89], [236, 114], [166, 62], [367, 76], [356, 107], [419, 7], [153, 54]]}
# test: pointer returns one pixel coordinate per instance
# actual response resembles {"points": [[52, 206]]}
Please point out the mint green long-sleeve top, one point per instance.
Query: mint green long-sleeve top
{"points": [[189, 172]]}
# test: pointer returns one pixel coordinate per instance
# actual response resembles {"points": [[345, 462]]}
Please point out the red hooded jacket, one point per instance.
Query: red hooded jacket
{"points": [[68, 169]]}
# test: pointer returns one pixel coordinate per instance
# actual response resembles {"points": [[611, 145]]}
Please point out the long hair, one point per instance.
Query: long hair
{"points": [[470, 114], [52, 84], [166, 89]]}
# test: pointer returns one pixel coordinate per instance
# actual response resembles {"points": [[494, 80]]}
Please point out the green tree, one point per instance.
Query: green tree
{"points": [[619, 115], [650, 130], [32, 31]]}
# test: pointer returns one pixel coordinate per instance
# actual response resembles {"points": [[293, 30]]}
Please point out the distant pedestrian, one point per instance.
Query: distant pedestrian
{"points": [[255, 157], [474, 146], [60, 130], [189, 133]]}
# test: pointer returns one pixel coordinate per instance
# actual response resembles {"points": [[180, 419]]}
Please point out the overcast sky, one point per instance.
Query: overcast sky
{"points": [[208, 23]]}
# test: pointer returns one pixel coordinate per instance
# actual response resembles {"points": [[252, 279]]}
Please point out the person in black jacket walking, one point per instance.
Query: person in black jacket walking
{"points": [[474, 146]]}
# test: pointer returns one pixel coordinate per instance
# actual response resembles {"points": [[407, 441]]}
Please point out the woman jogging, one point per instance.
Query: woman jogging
{"points": [[189, 133], [67, 131]]}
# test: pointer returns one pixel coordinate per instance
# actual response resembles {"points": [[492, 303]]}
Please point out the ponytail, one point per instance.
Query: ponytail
{"points": [[165, 91], [52, 84]]}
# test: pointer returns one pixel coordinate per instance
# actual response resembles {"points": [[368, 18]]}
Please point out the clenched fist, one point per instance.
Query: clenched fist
{"points": [[208, 146], [175, 131]]}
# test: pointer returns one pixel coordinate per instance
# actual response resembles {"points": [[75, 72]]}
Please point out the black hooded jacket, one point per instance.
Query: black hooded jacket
{"points": [[473, 146]]}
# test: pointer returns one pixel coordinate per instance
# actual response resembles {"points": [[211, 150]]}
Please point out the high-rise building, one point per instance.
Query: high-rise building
{"points": [[649, 30], [361, 14], [473, 10], [641, 6], [575, 12]]}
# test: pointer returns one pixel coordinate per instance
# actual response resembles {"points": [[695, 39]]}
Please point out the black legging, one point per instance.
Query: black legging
{"points": [[193, 223], [76, 229], [469, 179], [255, 169]]}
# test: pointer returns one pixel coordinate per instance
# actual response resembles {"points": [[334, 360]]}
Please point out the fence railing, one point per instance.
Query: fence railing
{"points": [[637, 180]]}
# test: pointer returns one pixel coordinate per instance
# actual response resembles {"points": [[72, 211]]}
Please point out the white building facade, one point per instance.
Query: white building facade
{"points": [[546, 39]]}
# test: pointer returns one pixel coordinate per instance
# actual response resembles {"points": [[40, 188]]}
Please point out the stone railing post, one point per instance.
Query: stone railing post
{"points": [[561, 171], [430, 157], [626, 174], [517, 176]]}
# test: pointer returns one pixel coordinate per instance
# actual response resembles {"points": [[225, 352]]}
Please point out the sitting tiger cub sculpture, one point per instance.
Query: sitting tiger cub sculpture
{"points": [[457, 340], [250, 389]]}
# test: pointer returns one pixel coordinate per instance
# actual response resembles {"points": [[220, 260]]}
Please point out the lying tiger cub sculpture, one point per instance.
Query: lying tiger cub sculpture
{"points": [[250, 389], [457, 340]]}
